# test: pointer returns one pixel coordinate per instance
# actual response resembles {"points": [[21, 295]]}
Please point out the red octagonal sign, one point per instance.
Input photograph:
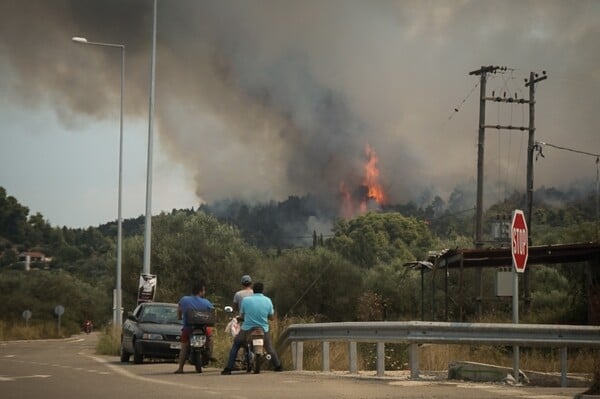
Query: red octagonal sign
{"points": [[519, 241]]}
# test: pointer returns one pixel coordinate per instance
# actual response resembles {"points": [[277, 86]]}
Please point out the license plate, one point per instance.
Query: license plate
{"points": [[176, 345], [257, 342], [197, 341]]}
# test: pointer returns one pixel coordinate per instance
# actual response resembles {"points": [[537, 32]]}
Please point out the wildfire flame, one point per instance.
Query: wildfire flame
{"points": [[359, 200], [371, 180]]}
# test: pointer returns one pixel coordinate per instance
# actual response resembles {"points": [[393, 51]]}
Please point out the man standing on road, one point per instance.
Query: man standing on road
{"points": [[196, 301], [243, 293], [256, 311]]}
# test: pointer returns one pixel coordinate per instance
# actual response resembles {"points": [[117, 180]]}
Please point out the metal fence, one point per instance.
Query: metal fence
{"points": [[414, 333]]}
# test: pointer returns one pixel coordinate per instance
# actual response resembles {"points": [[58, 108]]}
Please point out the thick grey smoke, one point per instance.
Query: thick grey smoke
{"points": [[264, 99]]}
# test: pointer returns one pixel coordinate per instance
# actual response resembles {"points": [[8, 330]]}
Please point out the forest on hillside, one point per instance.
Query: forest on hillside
{"points": [[327, 269]]}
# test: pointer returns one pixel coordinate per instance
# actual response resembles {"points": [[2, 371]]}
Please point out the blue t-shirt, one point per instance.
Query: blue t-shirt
{"points": [[193, 302], [256, 309]]}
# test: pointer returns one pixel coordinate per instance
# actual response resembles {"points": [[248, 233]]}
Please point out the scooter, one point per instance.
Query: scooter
{"points": [[200, 350], [253, 348], [199, 354]]}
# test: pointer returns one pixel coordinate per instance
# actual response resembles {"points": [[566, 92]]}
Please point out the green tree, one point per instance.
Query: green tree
{"points": [[306, 282], [186, 247], [381, 238], [13, 217], [9, 257], [41, 291]]}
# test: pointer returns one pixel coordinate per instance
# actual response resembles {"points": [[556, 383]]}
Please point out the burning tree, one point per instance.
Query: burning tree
{"points": [[369, 194]]}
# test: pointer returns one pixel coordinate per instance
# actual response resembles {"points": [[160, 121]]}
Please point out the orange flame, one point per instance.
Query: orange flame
{"points": [[357, 201], [371, 180]]}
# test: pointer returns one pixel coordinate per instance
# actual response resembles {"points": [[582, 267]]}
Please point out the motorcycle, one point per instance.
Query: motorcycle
{"points": [[87, 326], [200, 351], [254, 350]]}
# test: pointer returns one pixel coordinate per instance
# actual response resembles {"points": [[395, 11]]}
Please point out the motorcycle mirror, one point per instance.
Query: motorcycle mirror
{"points": [[228, 309]]}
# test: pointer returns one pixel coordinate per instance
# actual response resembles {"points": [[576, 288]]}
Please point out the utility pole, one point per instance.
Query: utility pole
{"points": [[533, 79], [482, 72], [148, 223]]}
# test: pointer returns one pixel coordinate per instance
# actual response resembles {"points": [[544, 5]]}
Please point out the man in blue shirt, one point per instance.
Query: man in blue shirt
{"points": [[193, 302], [256, 310]]}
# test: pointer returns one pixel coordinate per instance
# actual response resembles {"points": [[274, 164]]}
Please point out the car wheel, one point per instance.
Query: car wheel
{"points": [[138, 358], [124, 354]]}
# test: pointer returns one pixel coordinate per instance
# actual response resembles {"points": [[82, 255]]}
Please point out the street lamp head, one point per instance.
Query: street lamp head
{"points": [[79, 39]]}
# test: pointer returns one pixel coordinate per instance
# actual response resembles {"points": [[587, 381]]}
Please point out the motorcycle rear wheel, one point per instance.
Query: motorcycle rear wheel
{"points": [[257, 360], [197, 360]]}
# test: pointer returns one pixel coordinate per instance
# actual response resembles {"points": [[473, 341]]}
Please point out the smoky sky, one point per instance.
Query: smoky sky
{"points": [[265, 99]]}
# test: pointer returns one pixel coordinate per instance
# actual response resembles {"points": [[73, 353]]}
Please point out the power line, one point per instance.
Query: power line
{"points": [[538, 146], [458, 107], [541, 143]]}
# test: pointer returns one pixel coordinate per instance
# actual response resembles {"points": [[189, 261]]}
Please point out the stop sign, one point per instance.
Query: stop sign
{"points": [[519, 241]]}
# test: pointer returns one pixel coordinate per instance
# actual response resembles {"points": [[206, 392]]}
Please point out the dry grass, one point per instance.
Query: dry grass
{"points": [[109, 342], [437, 357], [21, 331]]}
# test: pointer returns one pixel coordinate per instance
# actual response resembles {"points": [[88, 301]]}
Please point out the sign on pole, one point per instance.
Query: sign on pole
{"points": [[27, 316], [59, 310], [147, 288], [519, 241]]}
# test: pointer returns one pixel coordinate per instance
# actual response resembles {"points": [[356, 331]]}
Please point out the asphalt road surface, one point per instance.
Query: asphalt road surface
{"points": [[70, 369]]}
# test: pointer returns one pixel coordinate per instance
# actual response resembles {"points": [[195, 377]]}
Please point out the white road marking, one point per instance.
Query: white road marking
{"points": [[6, 378]]}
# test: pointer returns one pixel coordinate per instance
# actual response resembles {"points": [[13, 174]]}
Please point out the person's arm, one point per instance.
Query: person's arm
{"points": [[242, 313], [271, 314], [179, 312], [236, 303]]}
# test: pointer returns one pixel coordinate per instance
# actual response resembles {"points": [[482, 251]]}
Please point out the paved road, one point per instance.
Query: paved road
{"points": [[69, 369]]}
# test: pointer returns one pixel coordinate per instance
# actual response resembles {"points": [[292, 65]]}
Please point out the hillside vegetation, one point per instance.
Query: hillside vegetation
{"points": [[354, 271]]}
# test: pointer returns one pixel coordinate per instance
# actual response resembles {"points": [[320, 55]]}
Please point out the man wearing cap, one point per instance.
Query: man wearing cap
{"points": [[237, 301], [243, 293], [256, 311]]}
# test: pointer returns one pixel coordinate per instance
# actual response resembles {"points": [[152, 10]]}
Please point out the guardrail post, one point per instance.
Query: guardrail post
{"points": [[325, 355], [413, 361], [380, 359], [563, 367], [353, 357], [297, 354]]}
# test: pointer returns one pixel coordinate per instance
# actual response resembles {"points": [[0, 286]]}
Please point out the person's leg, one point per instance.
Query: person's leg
{"points": [[237, 342], [271, 350], [209, 344], [183, 352]]}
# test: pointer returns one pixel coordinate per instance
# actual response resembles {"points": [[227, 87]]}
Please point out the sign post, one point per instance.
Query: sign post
{"points": [[519, 248], [26, 317], [59, 310]]}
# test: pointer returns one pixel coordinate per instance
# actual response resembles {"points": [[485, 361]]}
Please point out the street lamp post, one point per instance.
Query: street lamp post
{"points": [[118, 306]]}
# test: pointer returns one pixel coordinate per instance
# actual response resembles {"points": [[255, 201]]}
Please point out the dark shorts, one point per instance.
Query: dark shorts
{"points": [[187, 331]]}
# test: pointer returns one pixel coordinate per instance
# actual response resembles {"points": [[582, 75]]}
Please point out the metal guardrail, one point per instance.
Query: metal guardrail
{"points": [[418, 332]]}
